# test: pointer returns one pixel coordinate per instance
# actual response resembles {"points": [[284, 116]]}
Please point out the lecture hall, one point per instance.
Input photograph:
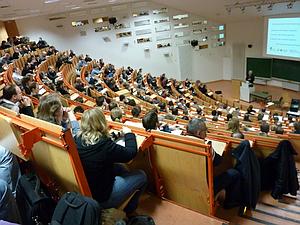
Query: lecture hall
{"points": [[144, 112]]}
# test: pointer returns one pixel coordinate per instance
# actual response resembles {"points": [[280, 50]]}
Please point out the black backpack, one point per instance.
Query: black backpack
{"points": [[76, 209], [35, 205], [141, 220]]}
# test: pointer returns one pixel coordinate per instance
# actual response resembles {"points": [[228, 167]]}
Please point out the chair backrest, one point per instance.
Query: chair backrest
{"points": [[52, 152], [181, 163]]}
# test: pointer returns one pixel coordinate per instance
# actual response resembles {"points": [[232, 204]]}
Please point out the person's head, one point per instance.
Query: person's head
{"points": [[78, 109], [234, 125], [260, 116], [116, 114], [100, 100], [150, 121], [60, 84], [214, 112], [122, 98], [279, 129], [136, 110], [50, 109], [265, 128], [93, 126], [12, 93], [297, 126], [229, 116], [112, 105], [34, 88], [197, 127], [175, 111], [199, 110], [247, 117]]}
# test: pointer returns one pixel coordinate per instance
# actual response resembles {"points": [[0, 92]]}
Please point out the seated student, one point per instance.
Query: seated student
{"points": [[34, 89], [9, 176], [214, 114], [61, 88], [297, 128], [78, 109], [247, 117], [250, 109], [260, 116], [276, 122], [116, 114], [279, 129], [264, 129], [51, 110], [101, 102], [136, 111], [112, 105], [150, 121], [228, 180], [110, 183], [228, 116], [79, 85], [12, 99], [234, 127]]}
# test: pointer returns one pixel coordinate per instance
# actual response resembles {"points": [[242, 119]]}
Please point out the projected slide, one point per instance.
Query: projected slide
{"points": [[284, 37]]}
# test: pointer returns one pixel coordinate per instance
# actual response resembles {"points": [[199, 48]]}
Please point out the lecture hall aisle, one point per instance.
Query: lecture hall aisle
{"points": [[268, 211]]}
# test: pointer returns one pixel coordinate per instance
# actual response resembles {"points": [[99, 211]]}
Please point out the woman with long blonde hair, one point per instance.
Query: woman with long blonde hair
{"points": [[110, 183]]}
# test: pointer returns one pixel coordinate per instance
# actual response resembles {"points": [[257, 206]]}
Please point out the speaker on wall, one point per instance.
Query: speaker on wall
{"points": [[194, 43], [112, 20]]}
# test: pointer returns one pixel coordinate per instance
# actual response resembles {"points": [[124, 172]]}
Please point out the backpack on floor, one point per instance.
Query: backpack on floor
{"points": [[75, 209], [35, 205], [141, 220]]}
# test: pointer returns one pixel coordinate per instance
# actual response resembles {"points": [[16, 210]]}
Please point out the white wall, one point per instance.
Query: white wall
{"points": [[239, 36], [207, 64]]}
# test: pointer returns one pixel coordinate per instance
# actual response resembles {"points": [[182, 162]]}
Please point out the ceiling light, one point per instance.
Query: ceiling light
{"points": [[51, 1], [76, 7]]}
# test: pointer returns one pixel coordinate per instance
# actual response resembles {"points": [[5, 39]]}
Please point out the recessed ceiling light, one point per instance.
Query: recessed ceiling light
{"points": [[50, 1]]}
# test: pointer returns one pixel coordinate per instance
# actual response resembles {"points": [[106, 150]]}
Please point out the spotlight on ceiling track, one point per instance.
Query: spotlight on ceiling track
{"points": [[290, 5], [228, 10], [270, 7], [258, 8], [242, 9]]}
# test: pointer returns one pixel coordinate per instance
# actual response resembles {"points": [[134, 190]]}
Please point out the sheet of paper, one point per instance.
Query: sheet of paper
{"points": [[218, 146]]}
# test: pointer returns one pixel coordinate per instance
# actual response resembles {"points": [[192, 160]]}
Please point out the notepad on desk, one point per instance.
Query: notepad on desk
{"points": [[218, 146], [139, 141]]}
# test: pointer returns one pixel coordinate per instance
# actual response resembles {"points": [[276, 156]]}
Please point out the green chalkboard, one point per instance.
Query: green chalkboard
{"points": [[261, 67], [286, 69]]}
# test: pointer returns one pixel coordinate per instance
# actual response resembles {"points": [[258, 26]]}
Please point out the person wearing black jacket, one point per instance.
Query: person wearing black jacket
{"points": [[249, 168], [13, 99], [110, 183], [279, 171]]}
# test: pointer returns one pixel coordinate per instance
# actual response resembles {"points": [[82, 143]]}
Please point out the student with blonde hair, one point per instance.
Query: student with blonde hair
{"points": [[51, 110], [110, 183]]}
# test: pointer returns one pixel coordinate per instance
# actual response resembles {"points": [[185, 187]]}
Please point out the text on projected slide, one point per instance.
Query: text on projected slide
{"points": [[284, 37]]}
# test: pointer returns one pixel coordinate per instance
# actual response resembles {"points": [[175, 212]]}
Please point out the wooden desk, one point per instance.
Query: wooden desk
{"points": [[265, 97]]}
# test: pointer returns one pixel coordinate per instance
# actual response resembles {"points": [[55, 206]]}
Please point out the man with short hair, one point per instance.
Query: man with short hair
{"points": [[228, 180], [12, 99]]}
